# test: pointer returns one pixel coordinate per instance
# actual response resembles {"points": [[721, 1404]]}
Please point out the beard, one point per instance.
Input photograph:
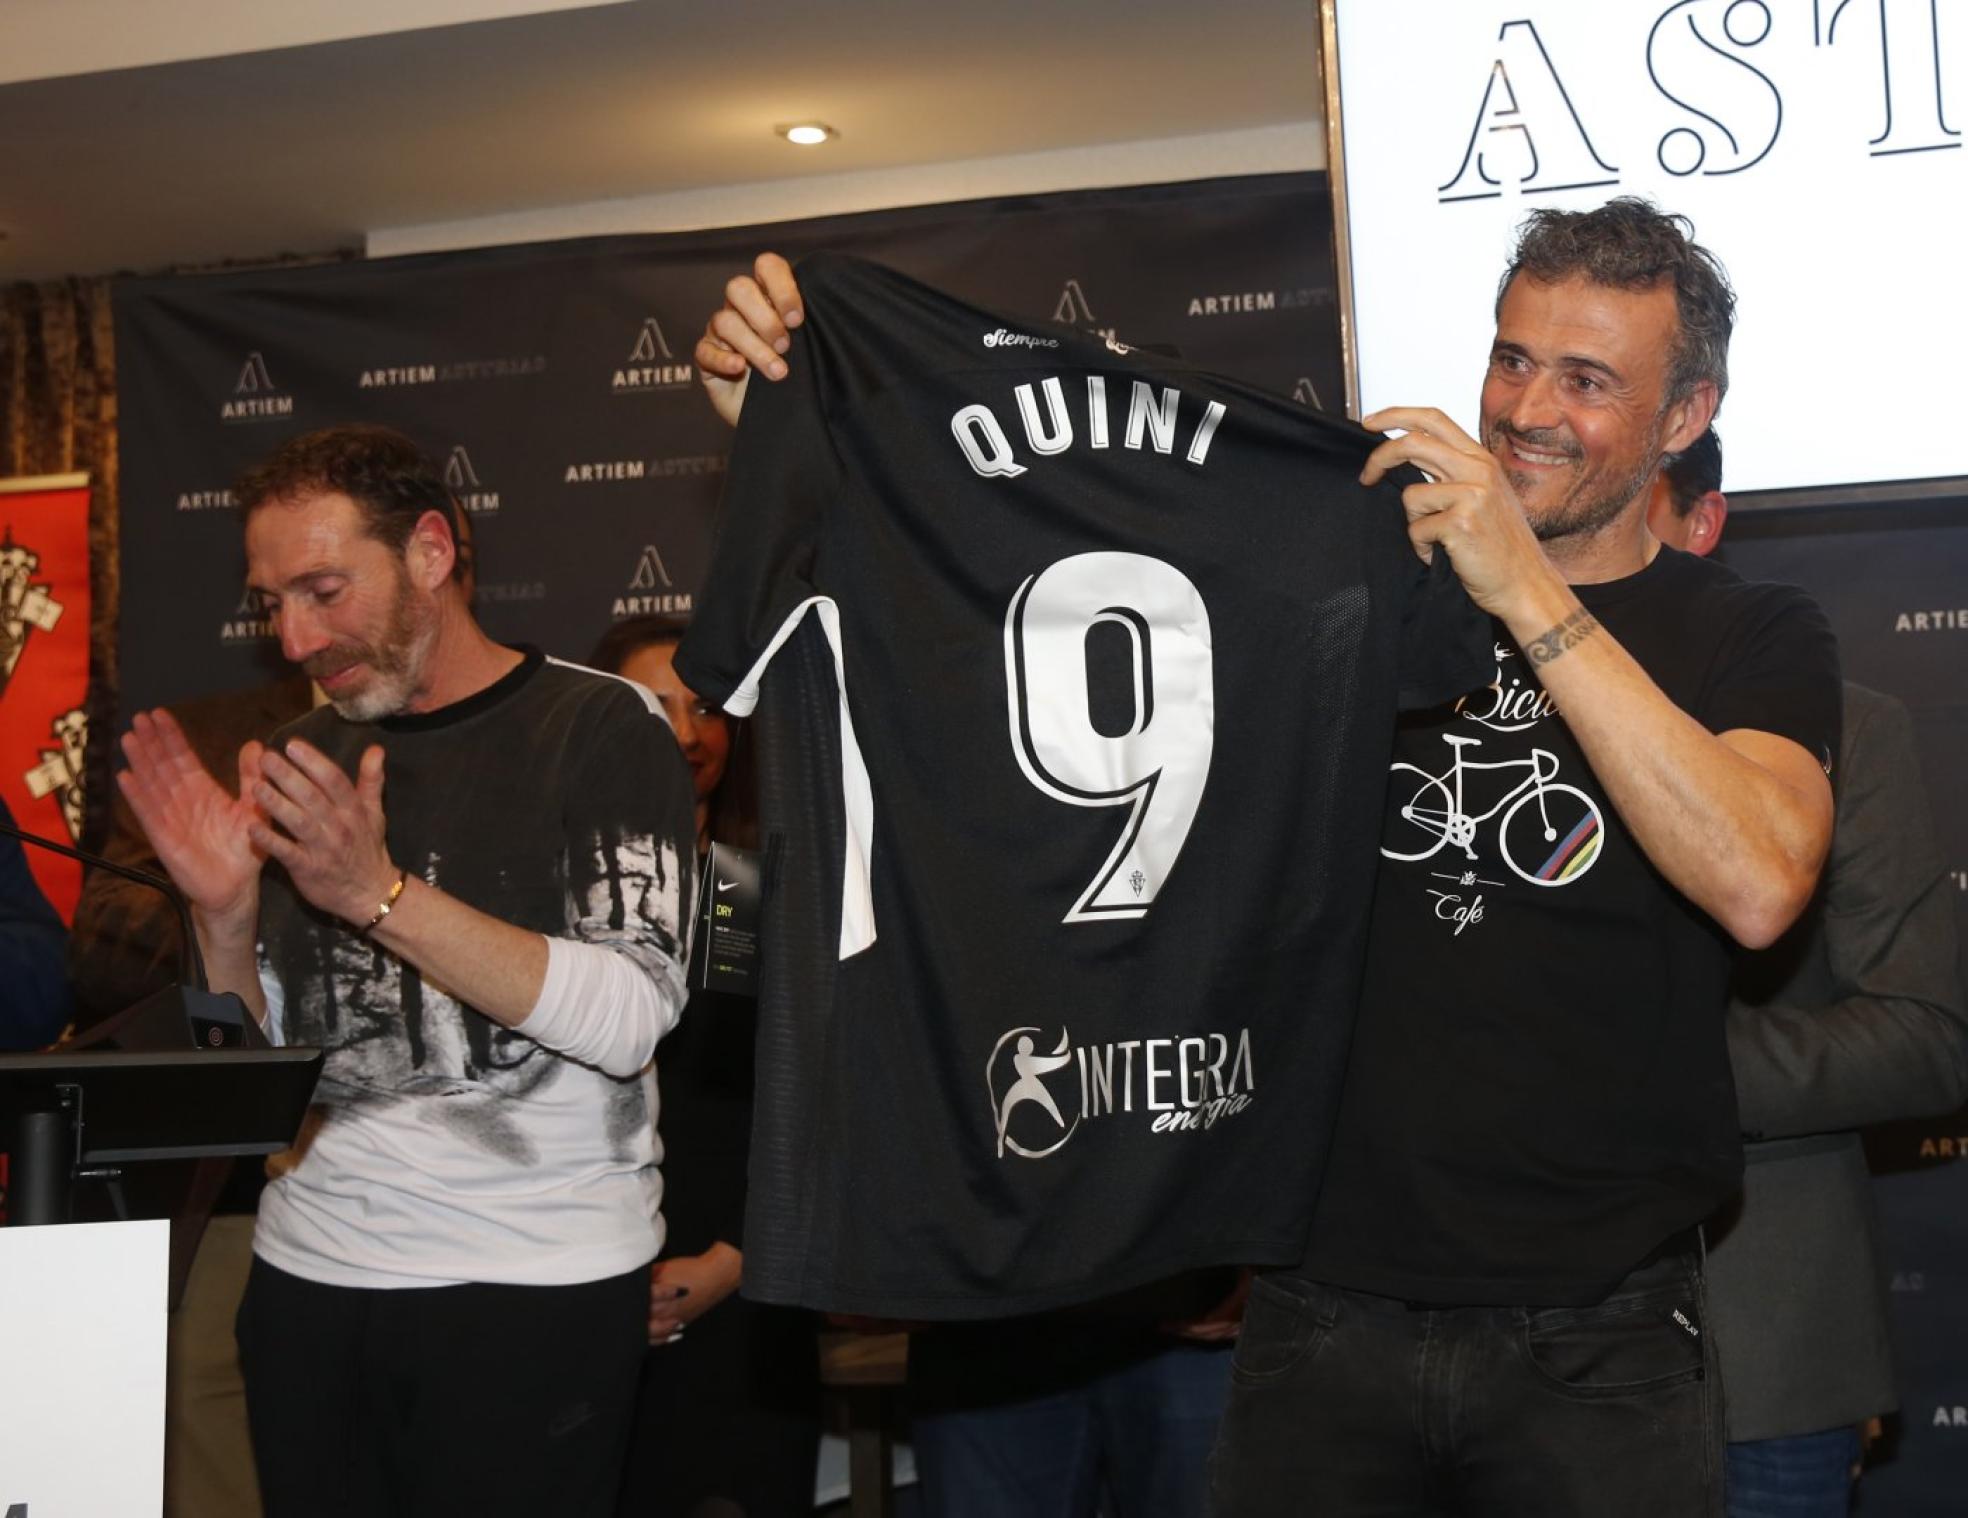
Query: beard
{"points": [[395, 661], [1593, 501]]}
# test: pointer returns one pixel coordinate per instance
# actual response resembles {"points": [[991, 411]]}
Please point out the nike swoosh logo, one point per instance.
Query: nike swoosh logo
{"points": [[725, 885]]}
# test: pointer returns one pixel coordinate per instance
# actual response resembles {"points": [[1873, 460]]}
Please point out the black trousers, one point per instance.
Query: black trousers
{"points": [[1358, 1406], [470, 1400], [727, 1419]]}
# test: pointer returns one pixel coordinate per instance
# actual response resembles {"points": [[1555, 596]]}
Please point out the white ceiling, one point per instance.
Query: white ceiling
{"points": [[251, 128]]}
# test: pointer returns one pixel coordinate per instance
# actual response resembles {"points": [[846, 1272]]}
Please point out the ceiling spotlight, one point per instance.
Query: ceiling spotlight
{"points": [[808, 134]]}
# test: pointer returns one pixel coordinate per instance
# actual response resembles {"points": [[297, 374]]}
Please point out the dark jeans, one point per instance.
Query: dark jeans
{"points": [[470, 1400], [1804, 1476], [1053, 1419], [1344, 1405]]}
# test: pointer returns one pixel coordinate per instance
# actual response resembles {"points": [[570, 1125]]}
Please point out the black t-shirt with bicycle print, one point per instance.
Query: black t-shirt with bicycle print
{"points": [[1539, 1092]]}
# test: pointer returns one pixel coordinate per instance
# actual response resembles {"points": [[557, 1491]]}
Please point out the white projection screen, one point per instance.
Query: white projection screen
{"points": [[1816, 145]]}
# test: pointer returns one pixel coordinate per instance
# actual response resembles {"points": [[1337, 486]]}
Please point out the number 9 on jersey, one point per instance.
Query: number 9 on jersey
{"points": [[1156, 763]]}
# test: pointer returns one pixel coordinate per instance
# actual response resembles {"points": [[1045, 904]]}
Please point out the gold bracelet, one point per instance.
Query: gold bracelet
{"points": [[402, 878]]}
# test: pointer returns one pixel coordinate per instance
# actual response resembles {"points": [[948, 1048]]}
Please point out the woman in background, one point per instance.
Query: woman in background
{"points": [[728, 1417]]}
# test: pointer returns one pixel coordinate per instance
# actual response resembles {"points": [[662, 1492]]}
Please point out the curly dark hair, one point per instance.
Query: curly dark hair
{"points": [[1694, 471], [378, 468], [1631, 244]]}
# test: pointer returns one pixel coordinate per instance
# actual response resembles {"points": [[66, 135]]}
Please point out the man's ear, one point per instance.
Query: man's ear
{"points": [[1688, 418], [1705, 522], [431, 551]]}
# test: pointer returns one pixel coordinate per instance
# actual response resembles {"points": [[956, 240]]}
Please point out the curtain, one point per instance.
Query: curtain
{"points": [[57, 416]]}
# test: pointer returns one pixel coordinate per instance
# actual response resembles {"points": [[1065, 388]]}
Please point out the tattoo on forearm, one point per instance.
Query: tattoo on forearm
{"points": [[1568, 634]]}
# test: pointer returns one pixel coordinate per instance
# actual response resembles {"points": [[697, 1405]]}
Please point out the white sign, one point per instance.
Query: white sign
{"points": [[1816, 145], [82, 1369]]}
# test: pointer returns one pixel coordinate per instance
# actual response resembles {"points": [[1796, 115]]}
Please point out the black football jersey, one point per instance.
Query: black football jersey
{"points": [[1076, 674]]}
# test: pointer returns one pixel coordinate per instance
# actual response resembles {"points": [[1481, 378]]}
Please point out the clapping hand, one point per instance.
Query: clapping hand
{"points": [[203, 836], [328, 831]]}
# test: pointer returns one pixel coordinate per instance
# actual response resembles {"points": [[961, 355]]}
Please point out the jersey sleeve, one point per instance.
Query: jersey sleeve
{"points": [[782, 474], [1778, 673], [1448, 646]]}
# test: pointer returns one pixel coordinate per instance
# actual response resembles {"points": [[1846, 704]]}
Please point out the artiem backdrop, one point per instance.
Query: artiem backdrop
{"points": [[554, 384]]}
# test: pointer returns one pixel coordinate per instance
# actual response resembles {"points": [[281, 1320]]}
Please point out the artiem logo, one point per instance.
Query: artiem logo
{"points": [[1724, 114], [1951, 1417], [1944, 1147], [654, 591], [255, 397], [688, 466], [511, 590], [1250, 302], [1072, 306], [205, 500], [1953, 619], [1307, 394], [466, 488], [605, 471], [1043, 1091], [652, 366], [1073, 310], [399, 374], [249, 622], [395, 376], [609, 471]]}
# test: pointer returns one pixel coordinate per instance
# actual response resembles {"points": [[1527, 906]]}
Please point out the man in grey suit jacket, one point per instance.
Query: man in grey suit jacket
{"points": [[1854, 1017]]}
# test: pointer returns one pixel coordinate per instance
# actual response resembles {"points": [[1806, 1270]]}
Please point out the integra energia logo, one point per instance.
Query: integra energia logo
{"points": [[1044, 1091]]}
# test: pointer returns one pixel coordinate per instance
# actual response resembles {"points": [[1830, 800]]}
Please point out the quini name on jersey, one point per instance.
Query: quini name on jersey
{"points": [[1152, 414]]}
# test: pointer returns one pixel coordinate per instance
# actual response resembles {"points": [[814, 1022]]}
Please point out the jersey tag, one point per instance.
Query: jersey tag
{"points": [[729, 923]]}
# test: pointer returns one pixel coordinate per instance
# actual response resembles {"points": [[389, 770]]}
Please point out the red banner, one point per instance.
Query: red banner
{"points": [[44, 668]]}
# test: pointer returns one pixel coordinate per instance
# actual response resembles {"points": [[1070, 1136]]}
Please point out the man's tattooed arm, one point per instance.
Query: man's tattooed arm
{"points": [[1568, 634]]}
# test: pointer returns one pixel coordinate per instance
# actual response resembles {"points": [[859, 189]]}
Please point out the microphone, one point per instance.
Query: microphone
{"points": [[178, 1015], [143, 877]]}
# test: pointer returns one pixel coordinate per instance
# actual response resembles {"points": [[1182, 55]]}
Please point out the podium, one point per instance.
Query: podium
{"points": [[82, 1393], [82, 1306]]}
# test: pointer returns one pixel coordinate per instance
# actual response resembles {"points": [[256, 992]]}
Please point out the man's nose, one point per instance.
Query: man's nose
{"points": [[301, 633], [1534, 406]]}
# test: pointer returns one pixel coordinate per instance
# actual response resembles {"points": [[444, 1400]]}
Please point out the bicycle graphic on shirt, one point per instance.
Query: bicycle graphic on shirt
{"points": [[1549, 833]]}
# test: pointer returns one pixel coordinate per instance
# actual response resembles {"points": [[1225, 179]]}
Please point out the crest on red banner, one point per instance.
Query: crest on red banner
{"points": [[44, 667]]}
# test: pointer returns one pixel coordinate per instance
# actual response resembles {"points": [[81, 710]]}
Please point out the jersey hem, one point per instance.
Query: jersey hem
{"points": [[963, 1306]]}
